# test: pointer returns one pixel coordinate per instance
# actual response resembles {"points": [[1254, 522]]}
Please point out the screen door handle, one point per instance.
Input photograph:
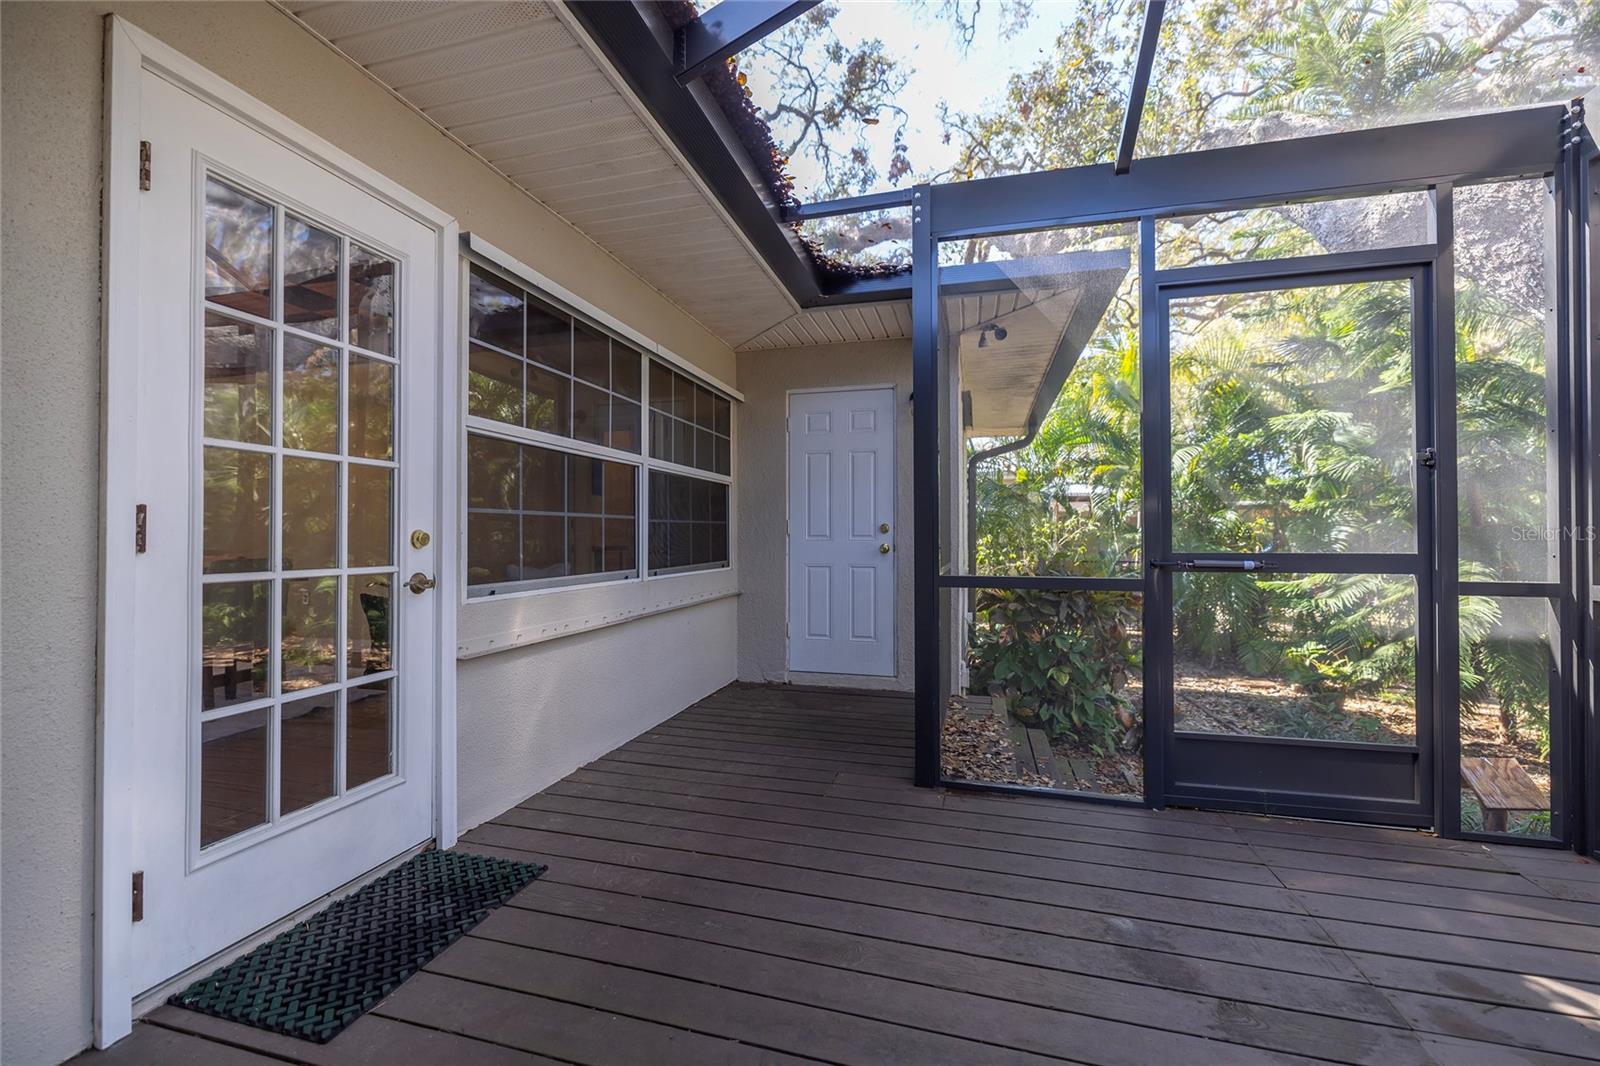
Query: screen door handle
{"points": [[1241, 565]]}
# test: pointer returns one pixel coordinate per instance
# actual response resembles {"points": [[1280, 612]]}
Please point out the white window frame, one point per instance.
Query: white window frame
{"points": [[527, 612], [664, 466]]}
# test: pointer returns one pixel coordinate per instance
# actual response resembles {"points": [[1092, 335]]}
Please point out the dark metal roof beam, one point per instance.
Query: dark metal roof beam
{"points": [[637, 42], [1153, 10], [730, 28], [1470, 148], [849, 205]]}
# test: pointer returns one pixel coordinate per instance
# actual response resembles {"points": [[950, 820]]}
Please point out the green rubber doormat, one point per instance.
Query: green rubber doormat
{"points": [[315, 979]]}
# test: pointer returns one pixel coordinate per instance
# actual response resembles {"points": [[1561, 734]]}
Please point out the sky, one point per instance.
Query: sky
{"points": [[938, 69]]}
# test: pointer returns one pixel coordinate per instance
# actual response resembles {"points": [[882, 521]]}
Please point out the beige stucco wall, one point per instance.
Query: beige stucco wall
{"points": [[51, 430], [766, 378]]}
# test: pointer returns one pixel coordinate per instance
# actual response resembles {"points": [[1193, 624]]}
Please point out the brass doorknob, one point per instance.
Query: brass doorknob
{"points": [[420, 583], [883, 549]]}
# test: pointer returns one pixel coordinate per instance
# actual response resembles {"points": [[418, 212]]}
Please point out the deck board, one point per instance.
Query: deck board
{"points": [[756, 880]]}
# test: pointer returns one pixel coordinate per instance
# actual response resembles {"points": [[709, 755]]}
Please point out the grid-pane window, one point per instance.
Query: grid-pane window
{"points": [[688, 522], [689, 424], [536, 514], [532, 365], [560, 488]]}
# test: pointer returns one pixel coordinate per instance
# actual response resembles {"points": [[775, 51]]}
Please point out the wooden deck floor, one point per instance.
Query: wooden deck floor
{"points": [[757, 881]]}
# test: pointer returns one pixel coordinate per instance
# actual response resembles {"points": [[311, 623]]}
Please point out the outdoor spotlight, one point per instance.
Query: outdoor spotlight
{"points": [[999, 333]]}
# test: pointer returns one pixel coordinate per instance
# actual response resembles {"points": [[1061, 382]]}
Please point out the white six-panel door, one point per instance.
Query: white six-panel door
{"points": [[841, 532]]}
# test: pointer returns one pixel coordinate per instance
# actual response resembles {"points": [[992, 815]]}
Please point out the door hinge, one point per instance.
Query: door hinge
{"points": [[141, 517], [138, 895], [144, 166]]}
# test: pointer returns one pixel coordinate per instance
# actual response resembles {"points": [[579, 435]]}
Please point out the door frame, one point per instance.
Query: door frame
{"points": [[1323, 763], [894, 470], [129, 53]]}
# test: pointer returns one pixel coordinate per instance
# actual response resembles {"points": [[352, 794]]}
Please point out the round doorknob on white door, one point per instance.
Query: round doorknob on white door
{"points": [[420, 583], [883, 549]]}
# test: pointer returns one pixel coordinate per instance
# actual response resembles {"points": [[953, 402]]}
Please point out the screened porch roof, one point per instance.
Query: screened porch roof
{"points": [[662, 129]]}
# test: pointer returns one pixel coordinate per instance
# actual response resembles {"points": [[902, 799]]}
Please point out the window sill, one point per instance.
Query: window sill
{"points": [[495, 624]]}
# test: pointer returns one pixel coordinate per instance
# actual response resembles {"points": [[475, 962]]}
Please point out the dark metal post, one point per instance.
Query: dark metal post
{"points": [[1154, 434], [1445, 573], [1572, 750], [1586, 833], [925, 487]]}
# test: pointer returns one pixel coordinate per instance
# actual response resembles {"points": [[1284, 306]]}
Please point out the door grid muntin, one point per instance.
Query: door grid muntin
{"points": [[380, 353]]}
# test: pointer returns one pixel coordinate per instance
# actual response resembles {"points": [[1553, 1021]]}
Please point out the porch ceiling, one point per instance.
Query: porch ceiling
{"points": [[836, 325], [520, 85]]}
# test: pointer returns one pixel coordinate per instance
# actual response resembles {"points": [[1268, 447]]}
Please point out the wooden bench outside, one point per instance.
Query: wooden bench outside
{"points": [[1503, 787]]}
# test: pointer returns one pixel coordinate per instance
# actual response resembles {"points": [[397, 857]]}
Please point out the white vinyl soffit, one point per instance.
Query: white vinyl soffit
{"points": [[516, 85]]}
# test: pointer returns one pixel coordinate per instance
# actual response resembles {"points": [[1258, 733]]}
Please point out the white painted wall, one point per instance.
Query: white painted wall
{"points": [[765, 378], [526, 716], [532, 715]]}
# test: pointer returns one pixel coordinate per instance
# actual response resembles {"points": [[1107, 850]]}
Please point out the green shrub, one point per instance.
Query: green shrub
{"points": [[1063, 656]]}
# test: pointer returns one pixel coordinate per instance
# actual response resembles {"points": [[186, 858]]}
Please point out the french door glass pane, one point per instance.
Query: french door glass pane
{"points": [[1310, 656], [238, 380], [310, 278], [310, 395], [1293, 423], [238, 254], [370, 406], [370, 526], [310, 513], [372, 279], [238, 509], [369, 734], [306, 749], [367, 624], [310, 629], [235, 642], [233, 774], [282, 642]]}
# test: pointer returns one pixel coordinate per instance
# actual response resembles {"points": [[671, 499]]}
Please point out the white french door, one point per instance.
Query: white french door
{"points": [[841, 532], [287, 437]]}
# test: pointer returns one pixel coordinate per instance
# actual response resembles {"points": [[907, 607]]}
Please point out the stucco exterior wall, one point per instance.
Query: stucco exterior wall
{"points": [[524, 716], [595, 691], [766, 379]]}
